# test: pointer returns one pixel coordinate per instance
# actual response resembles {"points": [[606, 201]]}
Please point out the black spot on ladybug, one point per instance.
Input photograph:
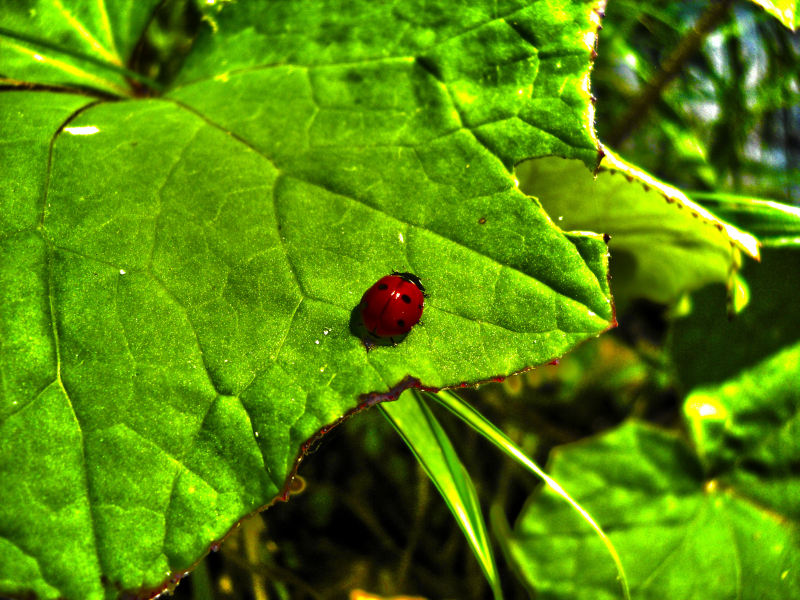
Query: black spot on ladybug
{"points": [[401, 323], [482, 221], [406, 298], [383, 286]]}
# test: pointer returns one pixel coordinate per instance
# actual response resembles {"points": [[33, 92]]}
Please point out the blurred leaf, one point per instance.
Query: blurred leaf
{"points": [[773, 223], [78, 44], [678, 535], [747, 431], [738, 295], [362, 595], [786, 11], [662, 244], [475, 420], [414, 421], [179, 276], [706, 347]]}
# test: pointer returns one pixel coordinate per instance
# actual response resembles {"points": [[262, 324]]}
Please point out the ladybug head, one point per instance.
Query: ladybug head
{"points": [[411, 278]]}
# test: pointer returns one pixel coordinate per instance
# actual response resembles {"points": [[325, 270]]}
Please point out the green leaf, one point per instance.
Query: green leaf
{"points": [[786, 11], [480, 424], [773, 223], [678, 535], [513, 76], [181, 274], [746, 431], [75, 44], [706, 347], [662, 244], [416, 424]]}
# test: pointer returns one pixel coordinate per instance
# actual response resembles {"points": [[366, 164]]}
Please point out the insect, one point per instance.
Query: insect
{"points": [[393, 305]]}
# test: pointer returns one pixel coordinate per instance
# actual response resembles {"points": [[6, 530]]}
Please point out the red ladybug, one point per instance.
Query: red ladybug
{"points": [[393, 305]]}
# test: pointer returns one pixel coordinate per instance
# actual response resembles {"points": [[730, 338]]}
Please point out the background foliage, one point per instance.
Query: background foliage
{"points": [[669, 437]]}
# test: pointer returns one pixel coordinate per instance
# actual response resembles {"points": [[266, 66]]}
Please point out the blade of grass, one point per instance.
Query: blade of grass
{"points": [[479, 423], [415, 423]]}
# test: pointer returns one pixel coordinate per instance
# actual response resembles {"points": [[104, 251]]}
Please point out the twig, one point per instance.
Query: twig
{"points": [[639, 107]]}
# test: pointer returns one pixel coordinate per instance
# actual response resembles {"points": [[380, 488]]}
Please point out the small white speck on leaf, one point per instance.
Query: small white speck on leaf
{"points": [[90, 130], [256, 434], [321, 369], [122, 272], [316, 341]]}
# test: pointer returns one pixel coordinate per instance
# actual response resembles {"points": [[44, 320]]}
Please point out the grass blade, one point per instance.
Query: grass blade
{"points": [[480, 424], [417, 425]]}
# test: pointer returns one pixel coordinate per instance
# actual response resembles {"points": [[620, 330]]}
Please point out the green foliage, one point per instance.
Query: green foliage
{"points": [[678, 532], [773, 223], [194, 196], [79, 44], [414, 421], [662, 244], [705, 347], [727, 121], [181, 273], [746, 432], [465, 412]]}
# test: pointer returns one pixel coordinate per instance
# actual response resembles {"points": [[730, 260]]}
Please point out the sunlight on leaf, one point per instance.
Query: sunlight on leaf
{"points": [[773, 223], [662, 244]]}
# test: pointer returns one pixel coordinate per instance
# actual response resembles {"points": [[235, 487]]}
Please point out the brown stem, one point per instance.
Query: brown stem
{"points": [[716, 12]]}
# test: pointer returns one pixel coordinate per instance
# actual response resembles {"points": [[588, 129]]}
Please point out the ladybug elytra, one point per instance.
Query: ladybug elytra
{"points": [[393, 305]]}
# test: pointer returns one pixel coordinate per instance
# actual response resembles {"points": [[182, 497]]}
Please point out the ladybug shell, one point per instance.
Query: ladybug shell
{"points": [[392, 306]]}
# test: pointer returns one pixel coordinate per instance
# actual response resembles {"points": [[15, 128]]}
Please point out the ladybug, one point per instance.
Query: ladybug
{"points": [[393, 305]]}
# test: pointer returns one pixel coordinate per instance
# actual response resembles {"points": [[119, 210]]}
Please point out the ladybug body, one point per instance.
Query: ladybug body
{"points": [[393, 305]]}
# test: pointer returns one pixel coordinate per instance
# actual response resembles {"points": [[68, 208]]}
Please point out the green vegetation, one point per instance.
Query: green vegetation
{"points": [[195, 195]]}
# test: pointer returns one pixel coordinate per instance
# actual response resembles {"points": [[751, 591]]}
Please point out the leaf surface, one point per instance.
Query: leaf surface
{"points": [[673, 527], [773, 223], [662, 244], [75, 44], [189, 267]]}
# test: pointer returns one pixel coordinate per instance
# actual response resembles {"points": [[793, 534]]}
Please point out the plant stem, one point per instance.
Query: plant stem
{"points": [[688, 46]]}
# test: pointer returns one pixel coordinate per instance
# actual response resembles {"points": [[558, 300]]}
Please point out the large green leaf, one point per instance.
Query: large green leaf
{"points": [[679, 534], [415, 422], [747, 431], [180, 275], [662, 244]]}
